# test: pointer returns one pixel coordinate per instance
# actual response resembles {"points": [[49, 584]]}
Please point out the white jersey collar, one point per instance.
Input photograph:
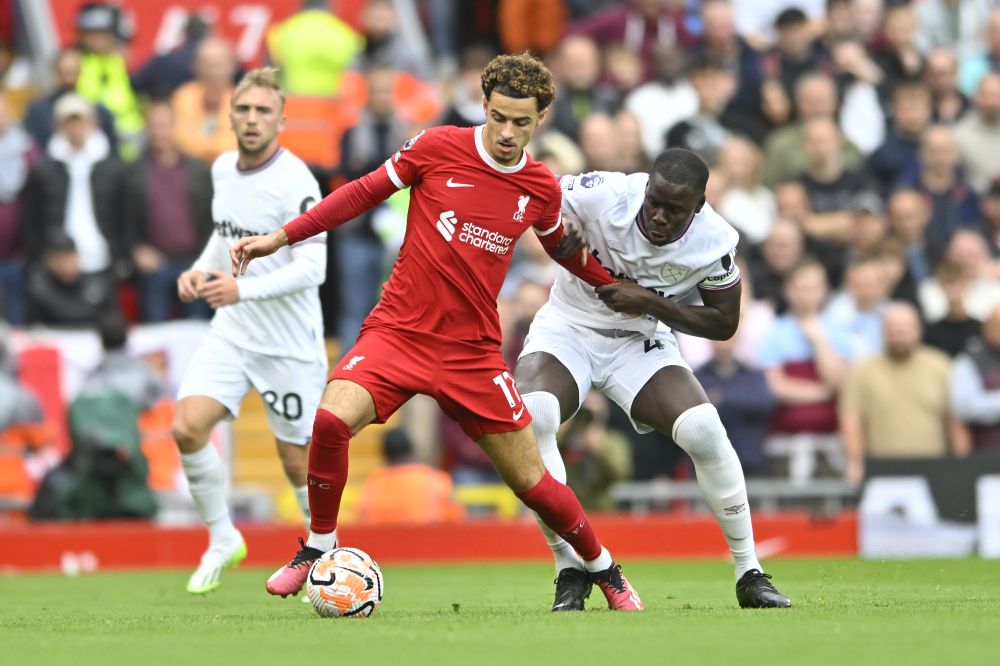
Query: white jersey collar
{"points": [[486, 157]]}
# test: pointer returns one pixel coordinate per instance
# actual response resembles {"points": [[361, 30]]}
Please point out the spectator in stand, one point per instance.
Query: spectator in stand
{"points": [[971, 68], [390, 42], [577, 72], [633, 157], [898, 55], [953, 331], [911, 114], [40, 118], [168, 215], [712, 125], [466, 108], [831, 188], [954, 25], [746, 203], [896, 404], [639, 25], [990, 209], [968, 250], [804, 358], [909, 215], [120, 372], [857, 308], [312, 49], [360, 259], [870, 225], [975, 387], [941, 76], [104, 78], [531, 25], [76, 191], [978, 135], [164, 73], [622, 71], [796, 51], [17, 152], [861, 116], [744, 401], [406, 491], [898, 278], [774, 258], [663, 101], [939, 176], [18, 405], [723, 47], [201, 107], [815, 97], [58, 293], [599, 143], [597, 455]]}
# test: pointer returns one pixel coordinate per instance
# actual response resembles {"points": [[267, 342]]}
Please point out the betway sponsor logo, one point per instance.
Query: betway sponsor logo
{"points": [[473, 234]]}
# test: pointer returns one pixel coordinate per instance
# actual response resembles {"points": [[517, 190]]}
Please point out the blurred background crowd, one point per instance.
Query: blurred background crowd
{"points": [[854, 144]]}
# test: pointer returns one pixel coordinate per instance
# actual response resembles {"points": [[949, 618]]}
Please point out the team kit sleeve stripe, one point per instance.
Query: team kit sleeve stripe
{"points": [[551, 229], [720, 285], [393, 176]]}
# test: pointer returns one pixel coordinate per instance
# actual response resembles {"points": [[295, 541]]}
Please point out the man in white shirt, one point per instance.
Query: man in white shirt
{"points": [[656, 234], [267, 332]]}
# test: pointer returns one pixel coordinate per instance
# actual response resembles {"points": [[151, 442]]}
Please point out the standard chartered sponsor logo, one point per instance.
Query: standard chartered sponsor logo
{"points": [[473, 234]]}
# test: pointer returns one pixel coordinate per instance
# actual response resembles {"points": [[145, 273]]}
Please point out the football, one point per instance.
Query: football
{"points": [[345, 582]]}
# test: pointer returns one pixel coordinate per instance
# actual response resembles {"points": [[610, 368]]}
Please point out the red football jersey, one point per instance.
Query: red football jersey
{"points": [[466, 213]]}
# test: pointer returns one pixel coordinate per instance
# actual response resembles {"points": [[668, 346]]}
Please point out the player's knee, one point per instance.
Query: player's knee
{"points": [[329, 431], [544, 410], [699, 431], [188, 436]]}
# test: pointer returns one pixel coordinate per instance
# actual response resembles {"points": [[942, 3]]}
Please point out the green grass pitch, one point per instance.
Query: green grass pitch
{"points": [[847, 613]]}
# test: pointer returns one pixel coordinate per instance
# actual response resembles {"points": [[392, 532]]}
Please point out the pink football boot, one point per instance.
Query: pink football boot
{"points": [[617, 589], [290, 578]]}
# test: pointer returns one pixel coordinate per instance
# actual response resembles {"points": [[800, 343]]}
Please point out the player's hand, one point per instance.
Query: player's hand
{"points": [[189, 283], [574, 238], [251, 247], [220, 290], [626, 297], [855, 472]]}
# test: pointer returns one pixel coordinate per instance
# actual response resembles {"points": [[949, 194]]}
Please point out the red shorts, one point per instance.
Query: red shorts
{"points": [[471, 382]]}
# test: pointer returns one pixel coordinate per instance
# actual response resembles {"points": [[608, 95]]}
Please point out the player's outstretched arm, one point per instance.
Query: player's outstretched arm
{"points": [[576, 262], [247, 249]]}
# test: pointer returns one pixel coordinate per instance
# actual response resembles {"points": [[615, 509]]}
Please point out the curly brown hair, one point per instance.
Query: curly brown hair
{"points": [[519, 76]]}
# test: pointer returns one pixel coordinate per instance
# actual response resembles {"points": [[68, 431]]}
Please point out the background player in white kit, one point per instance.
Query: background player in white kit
{"points": [[267, 332], [658, 236]]}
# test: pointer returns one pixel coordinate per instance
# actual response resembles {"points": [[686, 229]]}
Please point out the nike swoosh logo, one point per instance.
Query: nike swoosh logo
{"points": [[452, 183], [517, 415]]}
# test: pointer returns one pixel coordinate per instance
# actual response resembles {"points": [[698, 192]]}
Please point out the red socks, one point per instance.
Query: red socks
{"points": [[559, 508], [327, 470]]}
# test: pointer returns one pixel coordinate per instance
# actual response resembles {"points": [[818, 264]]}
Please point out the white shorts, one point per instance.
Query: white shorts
{"points": [[291, 389], [616, 363]]}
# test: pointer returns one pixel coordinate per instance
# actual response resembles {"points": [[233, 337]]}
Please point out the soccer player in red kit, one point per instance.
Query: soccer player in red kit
{"points": [[436, 331]]}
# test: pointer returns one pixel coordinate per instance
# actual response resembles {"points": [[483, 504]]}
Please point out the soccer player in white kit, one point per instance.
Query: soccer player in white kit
{"points": [[267, 332], [655, 233]]}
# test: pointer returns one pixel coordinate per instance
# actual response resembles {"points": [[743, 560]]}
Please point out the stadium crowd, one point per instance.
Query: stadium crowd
{"points": [[854, 144]]}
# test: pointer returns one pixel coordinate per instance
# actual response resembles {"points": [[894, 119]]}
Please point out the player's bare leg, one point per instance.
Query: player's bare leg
{"points": [[516, 458], [295, 463], [344, 410], [551, 395], [674, 403], [194, 419]]}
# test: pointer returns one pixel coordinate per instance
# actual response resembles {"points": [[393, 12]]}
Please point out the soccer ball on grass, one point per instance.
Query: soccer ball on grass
{"points": [[345, 582]]}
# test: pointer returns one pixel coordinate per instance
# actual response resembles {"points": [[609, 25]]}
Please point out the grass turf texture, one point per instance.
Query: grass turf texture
{"points": [[846, 613]]}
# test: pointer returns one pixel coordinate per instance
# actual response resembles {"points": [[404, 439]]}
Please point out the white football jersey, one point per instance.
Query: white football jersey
{"points": [[607, 205], [279, 312]]}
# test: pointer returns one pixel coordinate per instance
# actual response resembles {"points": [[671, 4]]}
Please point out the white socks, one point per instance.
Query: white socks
{"points": [[602, 562], [701, 434], [207, 482], [544, 410], [322, 542], [302, 497]]}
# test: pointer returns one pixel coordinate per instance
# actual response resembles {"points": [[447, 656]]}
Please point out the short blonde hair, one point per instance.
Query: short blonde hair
{"points": [[262, 77]]}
